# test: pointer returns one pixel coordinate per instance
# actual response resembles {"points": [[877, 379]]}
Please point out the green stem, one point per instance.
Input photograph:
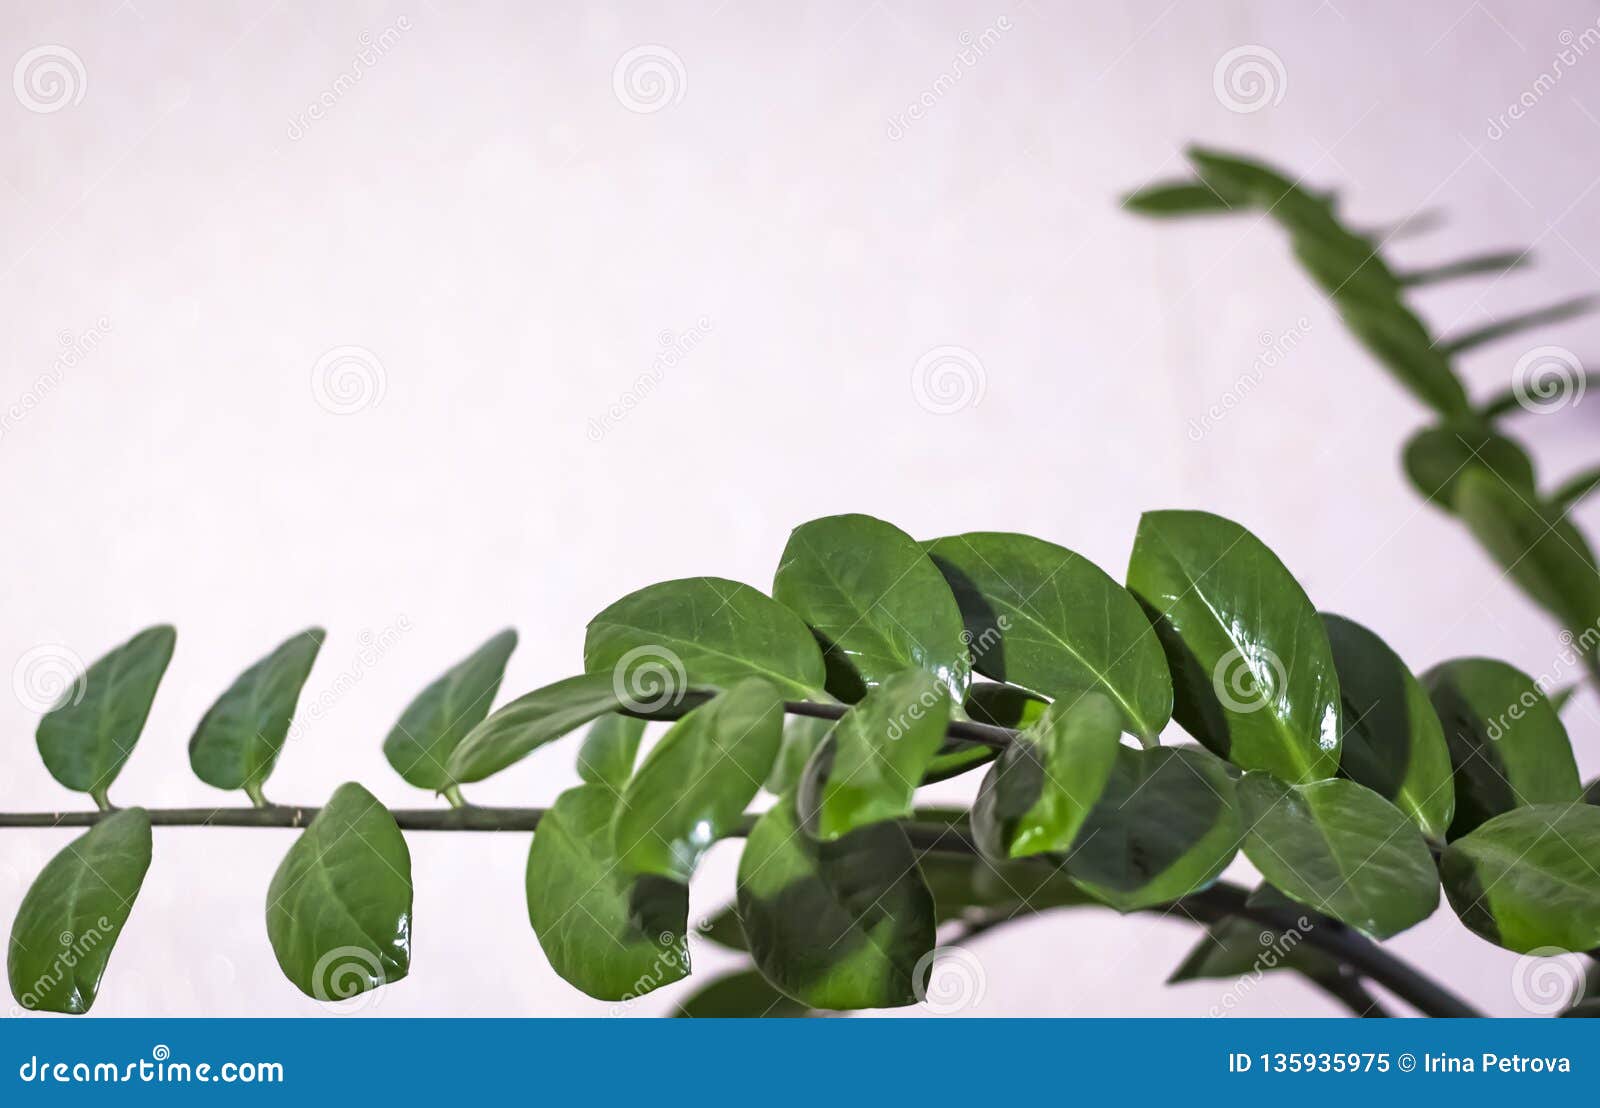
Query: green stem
{"points": [[252, 789], [452, 793], [101, 800]]}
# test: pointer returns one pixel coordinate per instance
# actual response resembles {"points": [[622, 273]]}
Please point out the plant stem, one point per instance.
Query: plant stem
{"points": [[1220, 900]]}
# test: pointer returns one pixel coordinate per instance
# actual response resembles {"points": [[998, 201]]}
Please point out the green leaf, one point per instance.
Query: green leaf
{"points": [[608, 750], [693, 787], [241, 735], [88, 735], [1506, 740], [528, 722], [74, 912], [1436, 457], [870, 765], [876, 603], [433, 724], [835, 925], [1393, 742], [963, 886], [1527, 879], [1043, 618], [700, 632], [1253, 674], [724, 929], [1170, 198], [1500, 328], [742, 995], [339, 906], [1038, 794], [1538, 546], [1004, 705], [956, 758], [607, 935], [1472, 266], [1163, 828], [801, 737], [1342, 849], [1571, 492], [1236, 947]]}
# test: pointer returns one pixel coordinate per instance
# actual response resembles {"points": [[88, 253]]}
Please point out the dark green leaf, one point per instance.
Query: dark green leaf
{"points": [[1436, 457], [1253, 674], [74, 912], [838, 925], [873, 760], [240, 737], [1393, 742], [609, 936], [1163, 828], [1527, 879], [1004, 705], [724, 929], [1342, 849], [1038, 794], [1043, 618], [1467, 267], [692, 788], [701, 632], [1500, 328], [801, 736], [89, 734], [742, 995], [1176, 198], [1573, 490], [1236, 947], [433, 724], [876, 603], [339, 907], [1506, 740], [530, 721], [956, 758], [963, 886], [608, 750]]}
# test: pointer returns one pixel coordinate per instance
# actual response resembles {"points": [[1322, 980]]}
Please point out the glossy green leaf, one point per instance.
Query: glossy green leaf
{"points": [[608, 935], [433, 725], [877, 604], [74, 912], [1527, 879], [239, 738], [1043, 618], [608, 750], [1436, 457], [742, 995], [1393, 742], [701, 632], [85, 739], [1253, 674], [965, 887], [1169, 198], [1506, 740], [339, 906], [693, 787], [835, 925], [1004, 705], [531, 720], [1342, 849], [1539, 547], [801, 737], [1163, 828], [872, 762], [956, 758], [1038, 794]]}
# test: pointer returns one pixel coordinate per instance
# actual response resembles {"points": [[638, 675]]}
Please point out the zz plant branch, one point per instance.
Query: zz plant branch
{"points": [[1351, 785]]}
